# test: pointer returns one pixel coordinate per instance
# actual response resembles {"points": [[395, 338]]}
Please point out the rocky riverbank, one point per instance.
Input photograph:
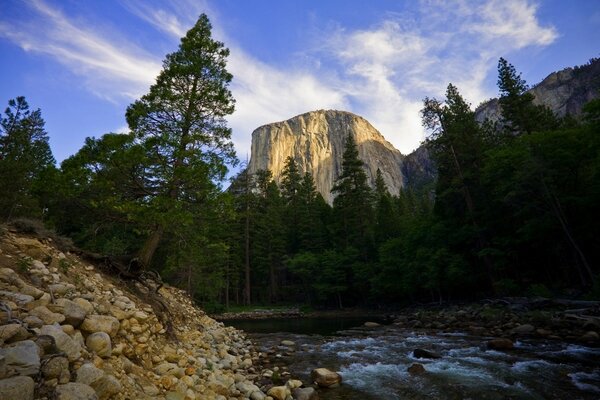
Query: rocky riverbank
{"points": [[70, 331], [511, 318]]}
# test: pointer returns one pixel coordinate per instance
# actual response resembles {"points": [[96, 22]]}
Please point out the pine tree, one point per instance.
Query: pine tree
{"points": [[291, 182], [181, 123], [457, 146], [352, 204], [24, 157]]}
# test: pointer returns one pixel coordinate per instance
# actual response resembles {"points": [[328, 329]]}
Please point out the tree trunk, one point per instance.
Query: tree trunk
{"points": [[150, 245]]}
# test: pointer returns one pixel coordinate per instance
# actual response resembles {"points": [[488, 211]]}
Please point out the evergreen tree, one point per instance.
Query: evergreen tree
{"points": [[352, 205], [457, 145], [25, 157], [386, 216], [181, 124], [291, 182]]}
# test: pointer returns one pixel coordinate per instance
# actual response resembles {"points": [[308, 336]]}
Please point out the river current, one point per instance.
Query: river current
{"points": [[373, 362]]}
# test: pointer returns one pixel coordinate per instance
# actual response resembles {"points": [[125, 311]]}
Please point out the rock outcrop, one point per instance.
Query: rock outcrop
{"points": [[564, 92], [316, 141]]}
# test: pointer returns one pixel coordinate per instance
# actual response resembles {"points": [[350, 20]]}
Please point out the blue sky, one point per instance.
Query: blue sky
{"points": [[84, 62]]}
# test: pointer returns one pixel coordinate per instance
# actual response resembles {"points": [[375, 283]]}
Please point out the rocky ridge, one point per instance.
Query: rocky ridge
{"points": [[316, 141], [564, 92], [69, 331]]}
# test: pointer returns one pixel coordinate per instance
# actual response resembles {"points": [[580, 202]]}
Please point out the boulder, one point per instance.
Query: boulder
{"points": [[63, 341], [18, 387], [293, 384], [57, 368], [325, 378], [421, 353], [83, 303], [279, 392], [21, 299], [49, 317], [305, 394], [100, 344], [104, 385], [33, 322], [21, 358], [525, 329], [591, 336], [416, 369], [75, 391], [100, 323], [13, 333], [74, 314], [500, 344]]}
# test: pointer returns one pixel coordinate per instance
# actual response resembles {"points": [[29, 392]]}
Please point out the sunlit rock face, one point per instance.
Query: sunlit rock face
{"points": [[316, 141], [564, 92]]}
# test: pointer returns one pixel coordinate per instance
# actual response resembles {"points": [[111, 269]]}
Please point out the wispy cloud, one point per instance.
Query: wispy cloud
{"points": [[390, 67], [109, 68], [381, 72]]}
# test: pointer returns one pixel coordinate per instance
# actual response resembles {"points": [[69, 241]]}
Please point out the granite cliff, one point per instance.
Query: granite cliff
{"points": [[316, 141], [564, 92]]}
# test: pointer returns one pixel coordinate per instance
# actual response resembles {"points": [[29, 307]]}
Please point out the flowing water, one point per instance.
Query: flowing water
{"points": [[373, 362]]}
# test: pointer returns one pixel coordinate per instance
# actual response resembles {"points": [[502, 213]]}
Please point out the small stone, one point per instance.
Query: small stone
{"points": [[75, 391], [416, 369], [325, 378], [288, 343], [100, 343], [21, 299], [18, 387]]}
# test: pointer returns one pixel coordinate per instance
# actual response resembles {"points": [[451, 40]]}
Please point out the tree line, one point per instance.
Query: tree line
{"points": [[512, 211]]}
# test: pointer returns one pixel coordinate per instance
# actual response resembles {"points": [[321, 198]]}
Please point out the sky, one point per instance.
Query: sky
{"points": [[83, 62]]}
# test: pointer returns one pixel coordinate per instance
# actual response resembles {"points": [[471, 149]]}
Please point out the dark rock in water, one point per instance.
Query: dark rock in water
{"points": [[500, 344], [305, 394], [416, 369], [421, 353]]}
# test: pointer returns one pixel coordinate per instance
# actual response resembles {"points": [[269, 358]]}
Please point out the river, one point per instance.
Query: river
{"points": [[373, 362]]}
